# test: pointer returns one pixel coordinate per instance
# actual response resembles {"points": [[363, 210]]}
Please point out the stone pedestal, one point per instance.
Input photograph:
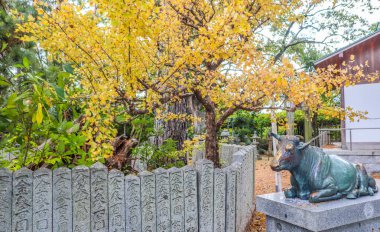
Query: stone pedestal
{"points": [[295, 215]]}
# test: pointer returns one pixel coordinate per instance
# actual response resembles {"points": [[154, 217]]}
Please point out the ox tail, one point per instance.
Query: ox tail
{"points": [[372, 184]]}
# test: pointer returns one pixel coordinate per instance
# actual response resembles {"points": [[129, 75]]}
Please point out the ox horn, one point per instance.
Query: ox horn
{"points": [[303, 145], [276, 136]]}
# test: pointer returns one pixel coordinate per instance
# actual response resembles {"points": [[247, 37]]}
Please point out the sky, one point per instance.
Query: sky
{"points": [[372, 18]]}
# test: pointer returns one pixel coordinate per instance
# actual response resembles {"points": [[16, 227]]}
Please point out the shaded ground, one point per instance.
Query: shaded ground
{"points": [[265, 183], [376, 175], [330, 146]]}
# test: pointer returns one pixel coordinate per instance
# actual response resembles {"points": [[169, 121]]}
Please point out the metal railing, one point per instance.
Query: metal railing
{"points": [[328, 135], [321, 140]]}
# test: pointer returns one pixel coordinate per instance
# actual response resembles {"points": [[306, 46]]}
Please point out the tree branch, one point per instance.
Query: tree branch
{"points": [[226, 114]]}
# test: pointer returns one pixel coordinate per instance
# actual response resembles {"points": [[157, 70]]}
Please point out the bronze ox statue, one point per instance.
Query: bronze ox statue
{"points": [[318, 177]]}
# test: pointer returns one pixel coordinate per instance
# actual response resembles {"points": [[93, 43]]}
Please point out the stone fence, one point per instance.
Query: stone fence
{"points": [[226, 152], [84, 199]]}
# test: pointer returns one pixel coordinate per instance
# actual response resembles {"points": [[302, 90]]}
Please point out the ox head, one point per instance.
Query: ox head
{"points": [[289, 152]]}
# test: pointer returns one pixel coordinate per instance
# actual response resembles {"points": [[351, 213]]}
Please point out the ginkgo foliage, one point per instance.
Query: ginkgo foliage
{"points": [[132, 57]]}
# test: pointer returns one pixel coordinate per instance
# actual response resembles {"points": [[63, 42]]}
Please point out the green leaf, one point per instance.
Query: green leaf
{"points": [[80, 140], [60, 92], [3, 79], [4, 46], [4, 83], [60, 147], [39, 115], [61, 78], [25, 61], [68, 68], [18, 66], [75, 128], [121, 118]]}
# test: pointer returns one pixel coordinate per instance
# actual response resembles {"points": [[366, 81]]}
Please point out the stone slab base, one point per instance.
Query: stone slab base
{"points": [[276, 225], [344, 215]]}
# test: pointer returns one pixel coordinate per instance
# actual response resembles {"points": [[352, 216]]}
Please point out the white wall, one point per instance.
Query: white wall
{"points": [[364, 97]]}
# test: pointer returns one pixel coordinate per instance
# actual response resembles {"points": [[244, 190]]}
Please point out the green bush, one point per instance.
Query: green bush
{"points": [[37, 122], [165, 156], [242, 124]]}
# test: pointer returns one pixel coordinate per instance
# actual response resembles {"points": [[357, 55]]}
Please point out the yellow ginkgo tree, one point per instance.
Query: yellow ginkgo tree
{"points": [[132, 57]]}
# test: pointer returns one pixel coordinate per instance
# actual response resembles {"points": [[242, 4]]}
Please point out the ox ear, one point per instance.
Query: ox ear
{"points": [[302, 146], [276, 136], [301, 138]]}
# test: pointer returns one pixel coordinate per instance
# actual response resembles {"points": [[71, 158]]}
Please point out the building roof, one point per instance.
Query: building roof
{"points": [[348, 46]]}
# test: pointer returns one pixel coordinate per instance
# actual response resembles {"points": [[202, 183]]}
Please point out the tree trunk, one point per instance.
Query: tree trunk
{"points": [[290, 122], [212, 151], [308, 126], [199, 116], [122, 152], [290, 119], [174, 129]]}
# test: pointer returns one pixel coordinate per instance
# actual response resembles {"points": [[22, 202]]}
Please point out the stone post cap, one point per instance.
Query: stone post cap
{"points": [[131, 177], [159, 170], [187, 169], [61, 170], [145, 173], [81, 168], [6, 171], [174, 169], [115, 172], [98, 165], [23, 170]]}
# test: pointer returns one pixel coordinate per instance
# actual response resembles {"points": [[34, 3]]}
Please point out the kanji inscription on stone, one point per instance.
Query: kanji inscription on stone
{"points": [[132, 204], [62, 200], [177, 204], [22, 201], [42, 200], [190, 199], [148, 201], [230, 199], [239, 195], [205, 169], [219, 200], [162, 200], [116, 201], [81, 199], [5, 200], [99, 198]]}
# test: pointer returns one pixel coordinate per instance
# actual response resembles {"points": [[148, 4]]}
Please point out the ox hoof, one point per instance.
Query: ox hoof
{"points": [[313, 198], [290, 193], [304, 196], [352, 195], [370, 191]]}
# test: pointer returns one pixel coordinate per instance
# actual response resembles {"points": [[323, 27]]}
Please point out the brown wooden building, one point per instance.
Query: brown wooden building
{"points": [[365, 49], [363, 96]]}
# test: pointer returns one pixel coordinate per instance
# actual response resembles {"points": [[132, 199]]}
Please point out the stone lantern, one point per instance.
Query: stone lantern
{"points": [[225, 134], [255, 138]]}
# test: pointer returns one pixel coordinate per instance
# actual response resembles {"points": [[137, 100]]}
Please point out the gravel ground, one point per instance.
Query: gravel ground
{"points": [[265, 183]]}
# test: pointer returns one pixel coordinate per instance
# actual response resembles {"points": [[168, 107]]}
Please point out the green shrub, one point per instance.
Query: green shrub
{"points": [[165, 156]]}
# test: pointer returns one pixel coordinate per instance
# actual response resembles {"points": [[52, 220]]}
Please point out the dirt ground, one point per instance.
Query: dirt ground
{"points": [[376, 175], [265, 183]]}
